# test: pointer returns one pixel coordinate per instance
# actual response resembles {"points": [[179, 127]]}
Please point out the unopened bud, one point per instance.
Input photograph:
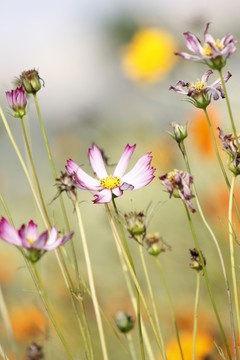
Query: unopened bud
{"points": [[124, 321], [179, 132], [195, 260], [31, 81]]}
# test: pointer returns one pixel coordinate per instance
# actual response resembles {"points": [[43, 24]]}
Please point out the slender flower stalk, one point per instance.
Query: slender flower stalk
{"points": [[91, 281], [184, 152], [207, 281], [232, 256], [131, 346], [196, 314], [3, 354], [133, 268], [150, 290], [134, 278], [6, 208], [170, 304]]}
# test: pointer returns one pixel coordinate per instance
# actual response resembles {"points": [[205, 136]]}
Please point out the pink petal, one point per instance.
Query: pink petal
{"points": [[206, 75], [124, 160], [32, 230], [53, 236], [97, 163], [117, 192], [41, 241], [126, 186], [22, 235], [85, 182], [103, 197], [8, 233], [193, 43], [187, 56]]}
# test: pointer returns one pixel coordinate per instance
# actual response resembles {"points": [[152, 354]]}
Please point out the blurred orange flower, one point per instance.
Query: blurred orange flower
{"points": [[204, 346], [150, 55], [164, 153], [199, 131], [27, 323]]}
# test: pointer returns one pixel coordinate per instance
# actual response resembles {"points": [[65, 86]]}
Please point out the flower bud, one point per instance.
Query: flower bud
{"points": [[195, 261], [179, 132], [31, 81], [124, 321], [17, 101], [135, 223], [155, 244]]}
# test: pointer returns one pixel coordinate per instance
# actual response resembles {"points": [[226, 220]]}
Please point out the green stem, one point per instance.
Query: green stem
{"points": [[218, 251], [60, 196], [150, 290], [229, 109], [6, 209], [35, 173], [131, 346], [133, 275], [91, 281], [220, 161], [133, 268], [233, 266], [48, 308], [196, 314], [170, 304], [207, 281]]}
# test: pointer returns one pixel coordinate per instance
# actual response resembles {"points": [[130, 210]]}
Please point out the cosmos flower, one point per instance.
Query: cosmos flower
{"points": [[112, 185], [17, 101], [34, 245], [200, 93], [178, 183], [213, 52]]}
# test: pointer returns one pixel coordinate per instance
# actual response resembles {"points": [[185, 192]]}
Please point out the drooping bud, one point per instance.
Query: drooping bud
{"points": [[31, 81], [124, 322], [195, 260], [17, 101]]}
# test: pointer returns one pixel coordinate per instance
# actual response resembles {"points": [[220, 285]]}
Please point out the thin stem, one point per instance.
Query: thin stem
{"points": [[48, 308], [132, 264], [207, 281], [60, 196], [3, 354], [134, 278], [220, 160], [7, 323], [170, 304], [131, 294], [6, 209], [150, 290], [131, 346], [233, 266], [229, 109], [34, 172], [91, 281], [196, 314], [218, 251]]}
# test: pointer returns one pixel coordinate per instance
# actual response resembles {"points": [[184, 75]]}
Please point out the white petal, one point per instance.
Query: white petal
{"points": [[97, 163], [124, 161], [85, 181]]}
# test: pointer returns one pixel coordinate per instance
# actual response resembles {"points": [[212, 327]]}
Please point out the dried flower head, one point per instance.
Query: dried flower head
{"points": [[199, 93], [17, 101], [231, 148], [136, 224], [195, 260], [34, 352], [213, 52], [31, 81], [66, 183], [178, 184], [124, 321], [155, 244]]}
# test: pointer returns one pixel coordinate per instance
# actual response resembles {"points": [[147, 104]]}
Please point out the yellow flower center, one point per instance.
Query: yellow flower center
{"points": [[218, 44], [110, 182], [31, 241], [207, 50], [171, 177], [198, 85]]}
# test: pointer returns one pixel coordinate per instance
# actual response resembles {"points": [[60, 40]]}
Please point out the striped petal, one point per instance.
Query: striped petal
{"points": [[85, 182], [8, 233], [103, 197], [124, 160]]}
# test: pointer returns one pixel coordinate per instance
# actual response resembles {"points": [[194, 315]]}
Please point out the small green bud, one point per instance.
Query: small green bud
{"points": [[195, 261], [31, 81], [155, 244], [179, 132], [124, 321], [135, 223]]}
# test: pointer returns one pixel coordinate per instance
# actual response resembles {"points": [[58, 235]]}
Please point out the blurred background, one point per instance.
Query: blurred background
{"points": [[107, 67]]}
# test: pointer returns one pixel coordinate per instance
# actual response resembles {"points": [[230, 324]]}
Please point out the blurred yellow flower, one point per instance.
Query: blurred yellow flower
{"points": [[204, 346], [150, 55]]}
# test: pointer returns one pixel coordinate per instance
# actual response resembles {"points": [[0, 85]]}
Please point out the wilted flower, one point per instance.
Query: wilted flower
{"points": [[66, 182], [31, 81], [179, 132], [178, 183], [112, 185], [124, 321], [199, 93], [195, 260], [231, 148], [17, 101], [155, 244], [135, 224], [213, 52], [34, 245], [149, 56]]}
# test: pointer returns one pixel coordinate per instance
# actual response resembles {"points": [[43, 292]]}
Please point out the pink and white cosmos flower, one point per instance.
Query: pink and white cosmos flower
{"points": [[17, 101], [213, 52], [109, 186], [34, 244]]}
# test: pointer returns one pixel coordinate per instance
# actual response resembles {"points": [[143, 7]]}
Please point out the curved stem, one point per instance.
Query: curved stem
{"points": [[132, 265], [150, 290], [207, 281], [170, 304], [218, 251], [196, 314], [233, 266], [220, 161], [91, 281]]}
